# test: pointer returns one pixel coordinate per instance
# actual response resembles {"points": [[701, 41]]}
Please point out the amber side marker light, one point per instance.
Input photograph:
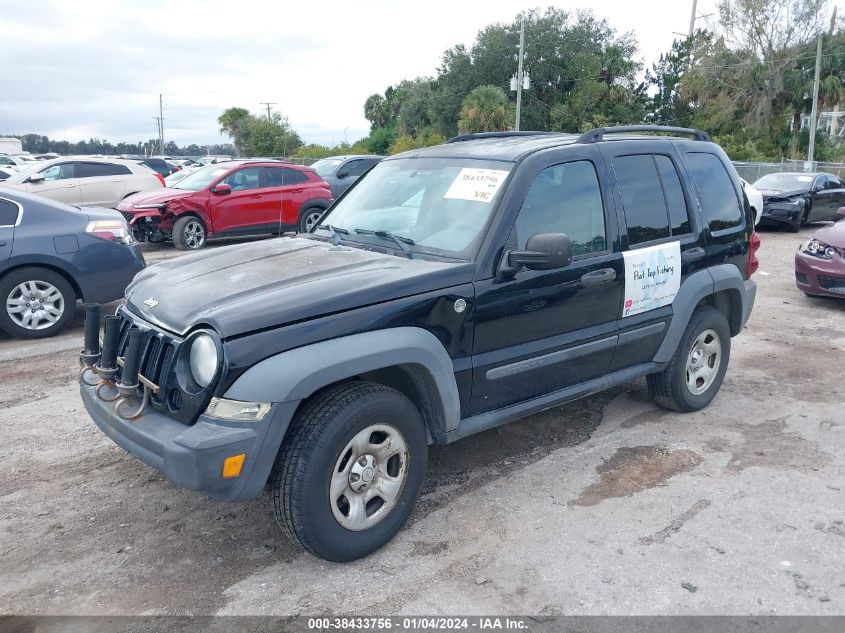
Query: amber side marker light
{"points": [[232, 466]]}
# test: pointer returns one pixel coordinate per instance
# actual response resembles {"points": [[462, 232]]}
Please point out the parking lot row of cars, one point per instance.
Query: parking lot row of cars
{"points": [[224, 197]]}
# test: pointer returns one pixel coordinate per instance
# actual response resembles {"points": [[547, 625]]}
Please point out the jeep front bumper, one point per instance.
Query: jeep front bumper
{"points": [[193, 456]]}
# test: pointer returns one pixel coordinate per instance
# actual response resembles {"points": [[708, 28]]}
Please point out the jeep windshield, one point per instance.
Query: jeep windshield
{"points": [[440, 206]]}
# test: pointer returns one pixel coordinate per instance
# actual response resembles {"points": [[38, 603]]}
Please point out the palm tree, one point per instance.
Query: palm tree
{"points": [[232, 122], [376, 110], [486, 109]]}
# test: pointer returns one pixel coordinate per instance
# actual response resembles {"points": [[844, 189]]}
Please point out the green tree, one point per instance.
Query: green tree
{"points": [[486, 109]]}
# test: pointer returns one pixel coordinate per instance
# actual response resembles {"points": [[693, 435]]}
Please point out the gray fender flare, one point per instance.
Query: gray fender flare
{"points": [[696, 287], [296, 374]]}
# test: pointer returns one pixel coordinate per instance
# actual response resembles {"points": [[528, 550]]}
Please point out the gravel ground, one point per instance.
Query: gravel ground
{"points": [[608, 505]]}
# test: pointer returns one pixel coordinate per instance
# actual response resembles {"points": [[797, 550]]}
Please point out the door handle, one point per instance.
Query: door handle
{"points": [[692, 254], [603, 276], [3, 243], [69, 186], [115, 179]]}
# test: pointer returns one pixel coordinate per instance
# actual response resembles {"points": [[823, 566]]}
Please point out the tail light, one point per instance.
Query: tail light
{"points": [[753, 262], [160, 179], [111, 230]]}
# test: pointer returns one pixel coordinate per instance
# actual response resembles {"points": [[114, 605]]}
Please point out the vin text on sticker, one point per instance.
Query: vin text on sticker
{"points": [[478, 185]]}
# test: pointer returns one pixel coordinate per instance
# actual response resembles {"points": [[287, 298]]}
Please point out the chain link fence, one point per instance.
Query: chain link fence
{"points": [[754, 171]]}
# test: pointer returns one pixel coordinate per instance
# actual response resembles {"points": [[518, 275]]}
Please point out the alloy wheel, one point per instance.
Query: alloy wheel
{"points": [[194, 234]]}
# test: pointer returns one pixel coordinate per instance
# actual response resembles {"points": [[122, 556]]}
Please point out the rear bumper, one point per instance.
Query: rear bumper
{"points": [[192, 456], [750, 296], [817, 276], [120, 265]]}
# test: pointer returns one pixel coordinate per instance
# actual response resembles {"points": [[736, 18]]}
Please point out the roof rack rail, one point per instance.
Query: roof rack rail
{"points": [[477, 135], [596, 135]]}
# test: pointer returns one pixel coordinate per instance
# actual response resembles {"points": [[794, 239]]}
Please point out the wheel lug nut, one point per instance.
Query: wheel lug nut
{"points": [[362, 461], [354, 477]]}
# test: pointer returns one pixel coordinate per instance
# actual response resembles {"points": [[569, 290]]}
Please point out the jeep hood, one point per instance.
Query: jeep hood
{"points": [[247, 287]]}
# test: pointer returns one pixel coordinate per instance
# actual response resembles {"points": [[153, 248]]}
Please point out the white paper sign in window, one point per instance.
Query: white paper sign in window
{"points": [[652, 277], [478, 185]]}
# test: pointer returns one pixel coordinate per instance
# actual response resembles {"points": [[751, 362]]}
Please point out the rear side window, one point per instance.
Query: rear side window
{"points": [[719, 203], [8, 213], [92, 170], [652, 196], [280, 176]]}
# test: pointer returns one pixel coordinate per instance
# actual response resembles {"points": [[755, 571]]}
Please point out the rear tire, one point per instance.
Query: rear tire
{"points": [[309, 217], [189, 233], [350, 470], [695, 373], [35, 303]]}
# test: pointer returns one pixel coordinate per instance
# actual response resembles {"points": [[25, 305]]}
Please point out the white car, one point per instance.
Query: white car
{"points": [[17, 162], [755, 199], [85, 181]]}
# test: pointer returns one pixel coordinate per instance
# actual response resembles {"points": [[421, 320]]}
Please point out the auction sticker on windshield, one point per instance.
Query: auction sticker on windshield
{"points": [[652, 277], [478, 185]]}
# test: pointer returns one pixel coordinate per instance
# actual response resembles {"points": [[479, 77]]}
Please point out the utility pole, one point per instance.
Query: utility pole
{"points": [[692, 18], [158, 121], [814, 113], [519, 73], [268, 104], [160, 125]]}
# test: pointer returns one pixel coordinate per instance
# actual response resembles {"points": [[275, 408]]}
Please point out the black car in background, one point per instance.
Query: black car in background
{"points": [[53, 254], [158, 165], [341, 172], [791, 199]]}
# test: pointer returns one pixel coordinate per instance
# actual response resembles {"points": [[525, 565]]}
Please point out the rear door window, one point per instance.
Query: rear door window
{"points": [[642, 198], [93, 170], [281, 176], [719, 203]]}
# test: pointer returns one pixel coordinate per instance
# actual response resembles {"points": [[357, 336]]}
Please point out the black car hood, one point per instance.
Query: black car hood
{"points": [[774, 193], [243, 288]]}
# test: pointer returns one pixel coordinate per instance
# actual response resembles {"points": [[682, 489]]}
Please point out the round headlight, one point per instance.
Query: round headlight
{"points": [[203, 359]]}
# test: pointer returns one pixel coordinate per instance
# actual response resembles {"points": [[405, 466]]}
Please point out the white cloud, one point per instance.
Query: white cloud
{"points": [[96, 68]]}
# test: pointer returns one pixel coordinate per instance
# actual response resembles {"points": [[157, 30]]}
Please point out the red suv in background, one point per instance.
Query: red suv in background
{"points": [[232, 198]]}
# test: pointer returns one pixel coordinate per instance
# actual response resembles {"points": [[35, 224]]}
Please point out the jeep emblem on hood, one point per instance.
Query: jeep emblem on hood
{"points": [[150, 303]]}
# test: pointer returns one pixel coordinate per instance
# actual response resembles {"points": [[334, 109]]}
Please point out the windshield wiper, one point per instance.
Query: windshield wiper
{"points": [[404, 243], [336, 239]]}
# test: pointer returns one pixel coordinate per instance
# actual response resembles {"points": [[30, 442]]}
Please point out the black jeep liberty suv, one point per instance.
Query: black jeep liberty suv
{"points": [[451, 290]]}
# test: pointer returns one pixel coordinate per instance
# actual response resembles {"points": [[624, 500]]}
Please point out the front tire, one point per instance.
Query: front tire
{"points": [[695, 373], [309, 217], [350, 470], [35, 303], [189, 233]]}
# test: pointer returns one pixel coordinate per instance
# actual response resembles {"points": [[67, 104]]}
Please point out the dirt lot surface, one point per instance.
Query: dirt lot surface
{"points": [[609, 505]]}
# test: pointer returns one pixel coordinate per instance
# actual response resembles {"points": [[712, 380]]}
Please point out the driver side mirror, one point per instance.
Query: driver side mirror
{"points": [[342, 174], [222, 189], [36, 178], [841, 213], [543, 251]]}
